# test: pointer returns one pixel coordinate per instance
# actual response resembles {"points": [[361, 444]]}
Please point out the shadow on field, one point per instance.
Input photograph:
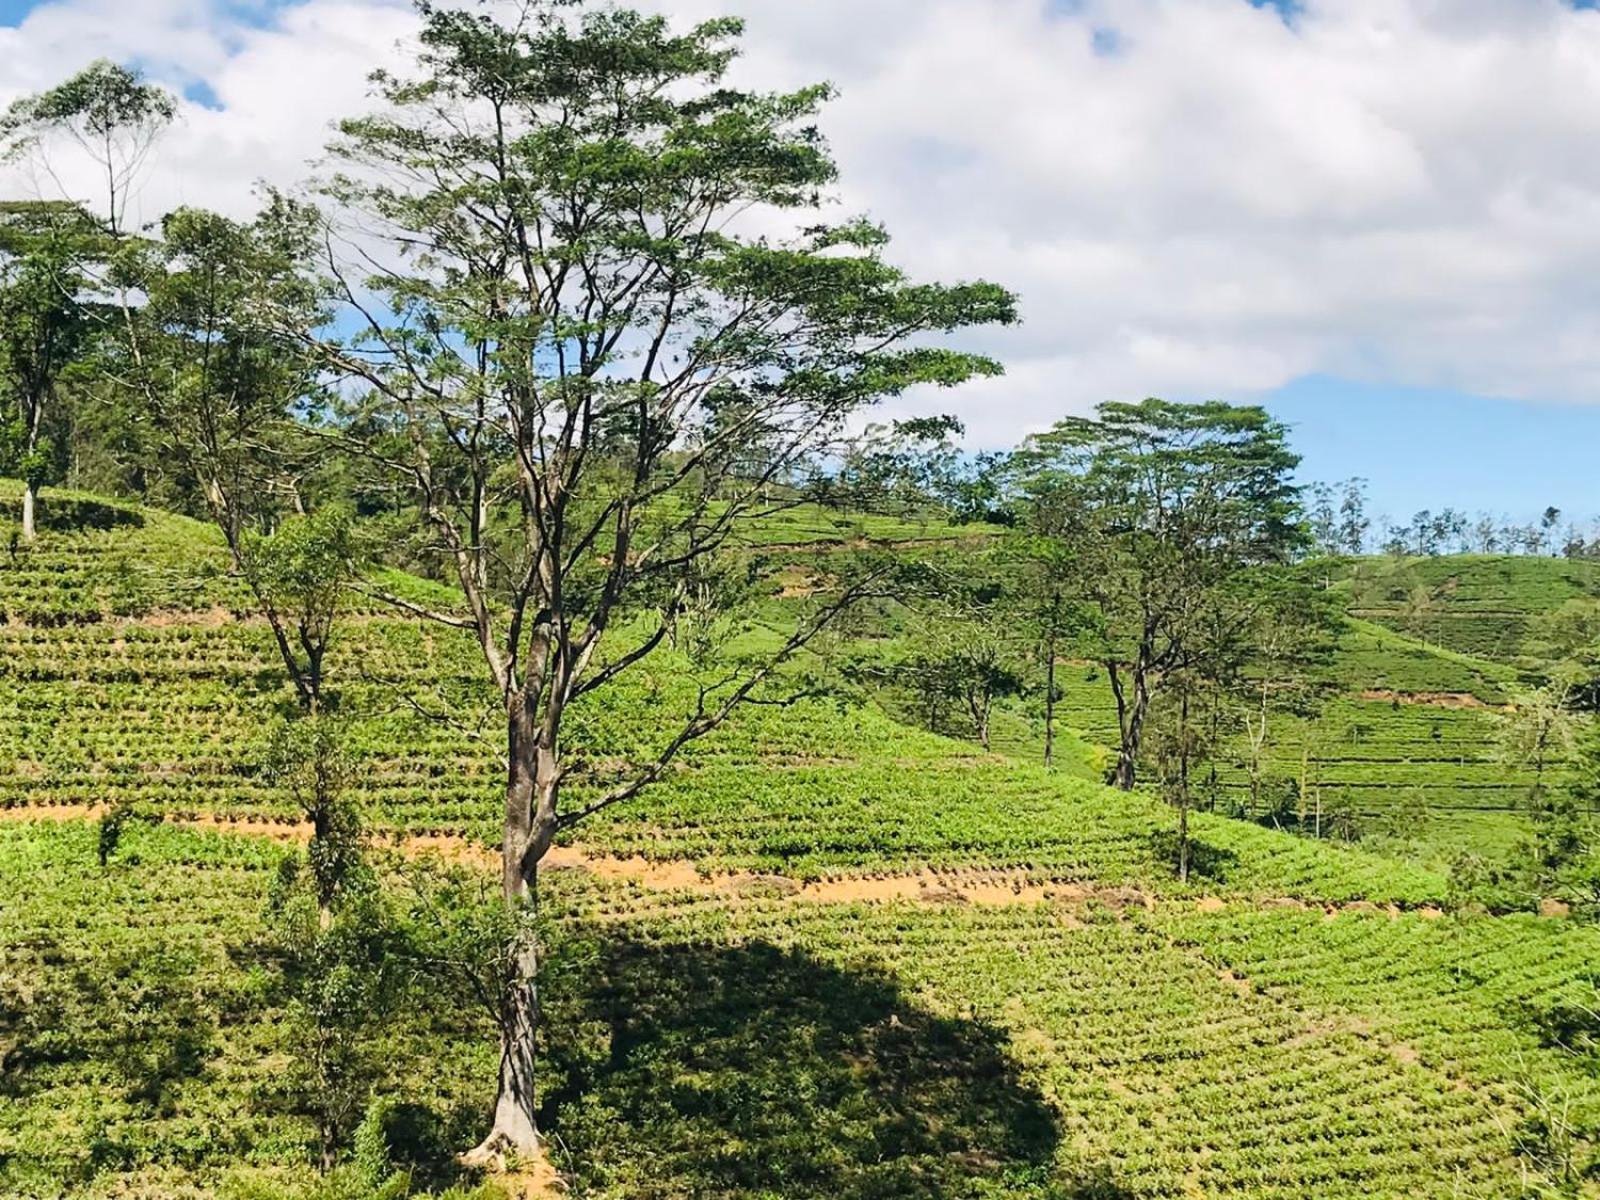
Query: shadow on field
{"points": [[1205, 861], [721, 1071], [60, 514]]}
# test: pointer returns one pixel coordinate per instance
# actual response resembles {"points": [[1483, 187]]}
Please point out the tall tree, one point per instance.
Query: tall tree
{"points": [[588, 368], [1166, 508], [113, 117]]}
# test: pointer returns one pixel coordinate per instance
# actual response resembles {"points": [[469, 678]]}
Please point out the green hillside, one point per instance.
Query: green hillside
{"points": [[1404, 751], [1267, 1030], [1482, 605]]}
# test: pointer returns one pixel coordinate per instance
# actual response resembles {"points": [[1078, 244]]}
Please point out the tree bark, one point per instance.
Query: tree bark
{"points": [[30, 501], [1132, 732], [515, 1126]]}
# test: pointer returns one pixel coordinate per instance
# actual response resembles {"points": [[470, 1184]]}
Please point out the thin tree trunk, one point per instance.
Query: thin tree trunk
{"points": [[1183, 792], [1050, 701], [1183, 841], [30, 500]]}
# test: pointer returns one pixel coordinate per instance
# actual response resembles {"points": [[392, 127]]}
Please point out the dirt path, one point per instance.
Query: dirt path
{"points": [[967, 885]]}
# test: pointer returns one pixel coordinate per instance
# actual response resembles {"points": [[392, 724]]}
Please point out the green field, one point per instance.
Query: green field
{"points": [[1297, 1020]]}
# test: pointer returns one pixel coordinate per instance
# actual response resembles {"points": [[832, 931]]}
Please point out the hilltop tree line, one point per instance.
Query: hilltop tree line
{"points": [[522, 336], [1342, 524]]}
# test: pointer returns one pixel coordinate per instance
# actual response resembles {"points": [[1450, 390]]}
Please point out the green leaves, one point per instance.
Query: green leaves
{"points": [[98, 101]]}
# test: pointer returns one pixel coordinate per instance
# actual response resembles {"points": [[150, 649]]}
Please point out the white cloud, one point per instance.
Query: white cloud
{"points": [[1402, 190]]}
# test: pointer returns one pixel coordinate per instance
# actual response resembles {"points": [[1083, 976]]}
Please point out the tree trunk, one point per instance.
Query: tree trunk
{"points": [[1050, 702], [1132, 733], [30, 500], [1183, 840], [1183, 792], [1130, 725], [515, 1128]]}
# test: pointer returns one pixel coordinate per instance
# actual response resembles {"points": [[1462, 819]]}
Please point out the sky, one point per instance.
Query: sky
{"points": [[1380, 218]]}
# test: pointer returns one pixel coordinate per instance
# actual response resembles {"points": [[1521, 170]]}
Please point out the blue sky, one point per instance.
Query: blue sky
{"points": [[1423, 448], [1234, 199]]}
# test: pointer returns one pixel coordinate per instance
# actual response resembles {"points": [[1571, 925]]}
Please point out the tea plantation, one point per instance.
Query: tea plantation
{"points": [[1300, 1019]]}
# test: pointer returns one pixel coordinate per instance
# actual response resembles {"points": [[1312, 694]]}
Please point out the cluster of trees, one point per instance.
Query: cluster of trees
{"points": [[1340, 524], [1553, 732], [1163, 546]]}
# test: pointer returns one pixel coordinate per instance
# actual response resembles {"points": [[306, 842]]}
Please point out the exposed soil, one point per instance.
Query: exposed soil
{"points": [[963, 886], [1458, 700]]}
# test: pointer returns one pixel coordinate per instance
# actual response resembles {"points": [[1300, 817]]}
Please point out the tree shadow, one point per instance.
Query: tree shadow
{"points": [[1566, 1023], [750, 1070], [1208, 862], [64, 514]]}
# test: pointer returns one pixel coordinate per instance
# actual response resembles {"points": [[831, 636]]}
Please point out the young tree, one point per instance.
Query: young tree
{"points": [[1176, 742], [1322, 518], [1046, 610], [1354, 524], [588, 369], [961, 659], [1291, 633], [308, 760], [302, 575], [1538, 734], [1166, 508], [342, 962], [215, 358], [1548, 521]]}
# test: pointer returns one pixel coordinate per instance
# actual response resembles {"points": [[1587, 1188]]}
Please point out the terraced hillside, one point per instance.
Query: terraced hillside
{"points": [[1407, 745], [999, 990], [1482, 605]]}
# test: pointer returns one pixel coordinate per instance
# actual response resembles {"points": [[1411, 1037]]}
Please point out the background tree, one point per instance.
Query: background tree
{"points": [[1289, 636], [45, 325], [110, 114], [113, 117], [1175, 744], [1045, 608], [962, 660], [588, 374], [1165, 508], [214, 358], [1537, 734]]}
